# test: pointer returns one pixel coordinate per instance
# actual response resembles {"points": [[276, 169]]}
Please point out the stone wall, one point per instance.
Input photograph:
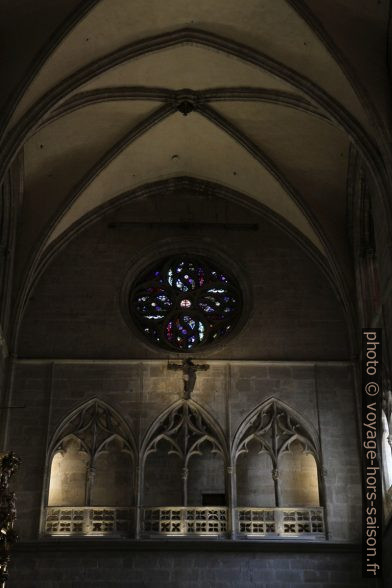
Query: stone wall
{"points": [[76, 344], [209, 567], [229, 391], [76, 309]]}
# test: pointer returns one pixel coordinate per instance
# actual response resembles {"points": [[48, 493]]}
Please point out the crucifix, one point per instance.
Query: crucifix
{"points": [[189, 370]]}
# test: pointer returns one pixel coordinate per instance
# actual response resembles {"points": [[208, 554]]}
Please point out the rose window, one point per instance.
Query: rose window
{"points": [[185, 303]]}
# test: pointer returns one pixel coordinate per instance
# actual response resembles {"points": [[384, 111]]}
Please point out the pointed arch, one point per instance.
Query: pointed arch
{"points": [[92, 447], [260, 421], [180, 414], [282, 465], [181, 446], [102, 417]]}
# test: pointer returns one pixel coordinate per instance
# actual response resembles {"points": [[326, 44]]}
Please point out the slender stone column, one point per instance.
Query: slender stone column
{"points": [[275, 477], [139, 490], [231, 501], [184, 476], [90, 483]]}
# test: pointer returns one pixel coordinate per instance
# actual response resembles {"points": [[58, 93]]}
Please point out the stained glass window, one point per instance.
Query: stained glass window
{"points": [[185, 302]]}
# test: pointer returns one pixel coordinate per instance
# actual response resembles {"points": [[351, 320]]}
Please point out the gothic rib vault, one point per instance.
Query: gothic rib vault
{"points": [[272, 114], [270, 92]]}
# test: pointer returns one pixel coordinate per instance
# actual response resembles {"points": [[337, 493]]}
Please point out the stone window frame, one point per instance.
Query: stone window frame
{"points": [[187, 246], [386, 450], [213, 327]]}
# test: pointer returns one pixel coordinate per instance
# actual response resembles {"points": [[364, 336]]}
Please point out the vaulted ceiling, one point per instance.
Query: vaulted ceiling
{"points": [[265, 97]]}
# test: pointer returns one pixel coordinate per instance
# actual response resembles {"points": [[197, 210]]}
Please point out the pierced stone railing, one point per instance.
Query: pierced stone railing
{"points": [[251, 523], [189, 521], [304, 523], [89, 520]]}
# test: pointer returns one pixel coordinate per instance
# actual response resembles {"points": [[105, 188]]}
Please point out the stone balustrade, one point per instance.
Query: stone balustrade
{"points": [[283, 523], [71, 521], [192, 521]]}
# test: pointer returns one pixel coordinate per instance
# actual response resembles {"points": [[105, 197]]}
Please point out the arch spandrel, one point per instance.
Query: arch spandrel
{"points": [[275, 419], [95, 424], [185, 426]]}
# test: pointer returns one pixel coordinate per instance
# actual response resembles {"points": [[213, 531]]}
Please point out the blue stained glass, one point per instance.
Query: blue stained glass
{"points": [[154, 316], [189, 285], [181, 286]]}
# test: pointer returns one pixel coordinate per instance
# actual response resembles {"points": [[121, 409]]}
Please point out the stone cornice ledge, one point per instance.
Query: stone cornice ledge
{"points": [[126, 545], [253, 362]]}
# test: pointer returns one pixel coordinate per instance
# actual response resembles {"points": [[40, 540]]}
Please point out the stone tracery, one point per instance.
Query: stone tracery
{"points": [[185, 302], [178, 456]]}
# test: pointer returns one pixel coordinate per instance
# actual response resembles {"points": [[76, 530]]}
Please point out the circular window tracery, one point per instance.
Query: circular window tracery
{"points": [[185, 302]]}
